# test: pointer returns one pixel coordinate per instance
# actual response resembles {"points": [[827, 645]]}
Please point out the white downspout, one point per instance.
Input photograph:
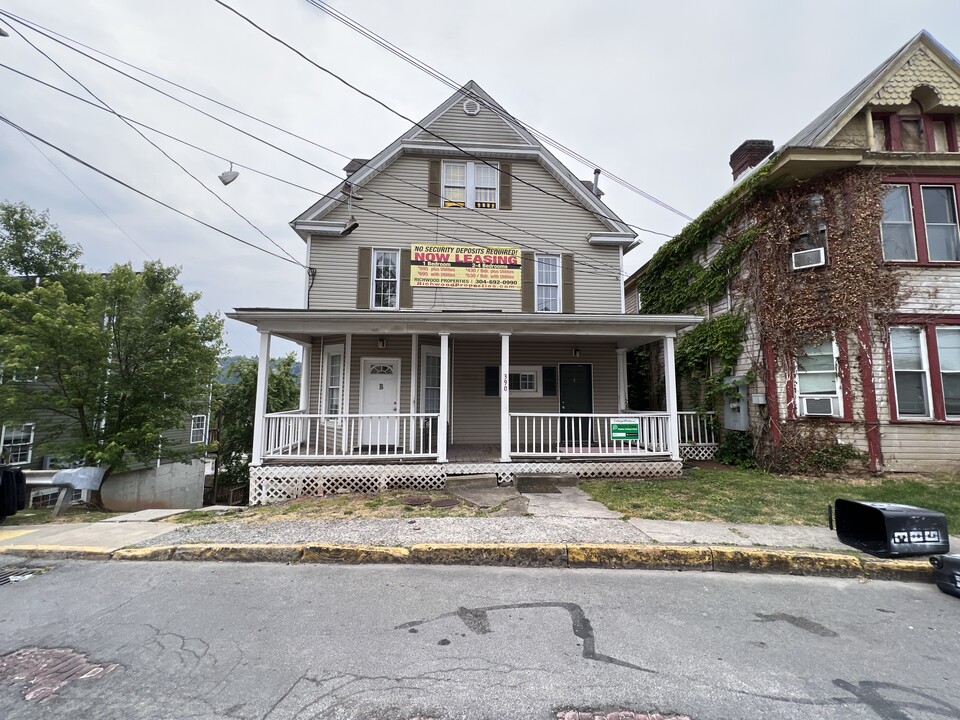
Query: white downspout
{"points": [[670, 380], [306, 364], [260, 405]]}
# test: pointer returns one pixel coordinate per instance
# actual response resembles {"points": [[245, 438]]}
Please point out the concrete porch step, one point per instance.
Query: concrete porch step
{"points": [[479, 480]]}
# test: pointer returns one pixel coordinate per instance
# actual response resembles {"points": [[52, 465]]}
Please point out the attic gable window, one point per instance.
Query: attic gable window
{"points": [[471, 184], [912, 130]]}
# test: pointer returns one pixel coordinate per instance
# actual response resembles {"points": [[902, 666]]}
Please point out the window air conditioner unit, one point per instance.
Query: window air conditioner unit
{"points": [[817, 406], [803, 259]]}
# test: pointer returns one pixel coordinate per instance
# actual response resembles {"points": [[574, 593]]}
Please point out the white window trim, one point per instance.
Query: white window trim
{"points": [[425, 350], [193, 429], [3, 440], [373, 277], [536, 371], [943, 372], [537, 285], [925, 368], [470, 180], [329, 350], [837, 396], [926, 225], [913, 230]]}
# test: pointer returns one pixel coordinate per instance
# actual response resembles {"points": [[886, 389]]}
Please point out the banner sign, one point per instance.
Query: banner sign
{"points": [[465, 266], [625, 428]]}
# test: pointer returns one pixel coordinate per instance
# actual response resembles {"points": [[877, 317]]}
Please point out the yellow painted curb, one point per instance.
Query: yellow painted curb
{"points": [[514, 554], [651, 557], [902, 569], [353, 554], [791, 562], [59, 552], [157, 552], [239, 553]]}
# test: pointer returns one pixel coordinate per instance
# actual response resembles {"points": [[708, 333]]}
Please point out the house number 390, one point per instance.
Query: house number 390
{"points": [[506, 382]]}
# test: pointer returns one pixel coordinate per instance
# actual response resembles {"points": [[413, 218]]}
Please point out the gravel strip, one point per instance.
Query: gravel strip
{"points": [[404, 533]]}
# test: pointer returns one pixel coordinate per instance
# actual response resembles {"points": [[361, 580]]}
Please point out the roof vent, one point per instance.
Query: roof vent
{"points": [[471, 107]]}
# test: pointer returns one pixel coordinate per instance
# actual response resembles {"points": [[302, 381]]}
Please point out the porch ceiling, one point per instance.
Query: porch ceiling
{"points": [[302, 325]]}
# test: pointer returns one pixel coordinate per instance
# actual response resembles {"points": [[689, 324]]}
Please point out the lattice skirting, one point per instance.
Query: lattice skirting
{"points": [[697, 452], [276, 483]]}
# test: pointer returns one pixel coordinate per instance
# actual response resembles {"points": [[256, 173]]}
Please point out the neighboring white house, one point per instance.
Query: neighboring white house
{"points": [[464, 313]]}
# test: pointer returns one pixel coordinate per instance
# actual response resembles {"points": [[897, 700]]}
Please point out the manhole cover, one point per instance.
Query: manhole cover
{"points": [[445, 503], [17, 574], [416, 500]]}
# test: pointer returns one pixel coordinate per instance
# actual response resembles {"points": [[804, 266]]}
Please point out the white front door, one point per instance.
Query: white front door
{"points": [[380, 401]]}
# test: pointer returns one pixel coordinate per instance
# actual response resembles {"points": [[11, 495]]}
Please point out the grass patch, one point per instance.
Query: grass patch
{"points": [[43, 516], [354, 506], [754, 496]]}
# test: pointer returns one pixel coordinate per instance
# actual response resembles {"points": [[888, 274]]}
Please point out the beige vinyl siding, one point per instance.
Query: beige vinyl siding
{"points": [[631, 301], [486, 127], [930, 289], [556, 228], [317, 369], [920, 447], [476, 417], [365, 346]]}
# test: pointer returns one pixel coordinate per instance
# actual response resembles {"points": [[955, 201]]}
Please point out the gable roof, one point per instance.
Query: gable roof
{"points": [[426, 137], [823, 128]]}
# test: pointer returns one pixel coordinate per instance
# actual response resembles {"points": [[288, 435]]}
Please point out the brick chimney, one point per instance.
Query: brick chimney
{"points": [[750, 154]]}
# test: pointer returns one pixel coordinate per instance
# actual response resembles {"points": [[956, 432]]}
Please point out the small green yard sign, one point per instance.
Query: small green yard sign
{"points": [[625, 429]]}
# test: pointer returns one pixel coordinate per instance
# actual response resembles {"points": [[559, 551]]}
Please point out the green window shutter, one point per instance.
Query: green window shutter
{"points": [[363, 278], [549, 380], [406, 290], [506, 186], [491, 380], [433, 184], [569, 304], [527, 275]]}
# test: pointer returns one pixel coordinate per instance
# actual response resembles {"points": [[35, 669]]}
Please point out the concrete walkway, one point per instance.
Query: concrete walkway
{"points": [[99, 538], [570, 502]]}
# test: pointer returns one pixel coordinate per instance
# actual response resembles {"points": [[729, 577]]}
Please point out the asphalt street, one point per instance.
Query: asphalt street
{"points": [[218, 640]]}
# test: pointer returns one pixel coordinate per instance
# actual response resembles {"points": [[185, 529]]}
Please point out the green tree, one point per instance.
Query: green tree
{"points": [[235, 401], [118, 359], [33, 246]]}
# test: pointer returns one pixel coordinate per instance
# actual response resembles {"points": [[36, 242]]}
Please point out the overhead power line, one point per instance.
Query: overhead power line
{"points": [[399, 52]]}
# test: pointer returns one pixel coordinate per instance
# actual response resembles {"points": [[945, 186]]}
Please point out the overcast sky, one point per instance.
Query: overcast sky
{"points": [[660, 93]]}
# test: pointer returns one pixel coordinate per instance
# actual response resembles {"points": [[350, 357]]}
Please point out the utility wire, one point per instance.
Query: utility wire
{"points": [[598, 269], [449, 82], [157, 147], [107, 175]]}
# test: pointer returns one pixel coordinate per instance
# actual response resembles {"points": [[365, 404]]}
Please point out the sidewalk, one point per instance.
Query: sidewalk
{"points": [[558, 540]]}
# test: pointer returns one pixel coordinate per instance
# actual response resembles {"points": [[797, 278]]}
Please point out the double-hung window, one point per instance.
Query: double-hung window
{"points": [[547, 276], [896, 228], [818, 387], [940, 222], [16, 444], [948, 350], [386, 278], [332, 380], [471, 184], [198, 429], [911, 377]]}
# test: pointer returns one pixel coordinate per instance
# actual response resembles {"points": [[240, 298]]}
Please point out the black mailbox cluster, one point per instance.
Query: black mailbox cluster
{"points": [[891, 530]]}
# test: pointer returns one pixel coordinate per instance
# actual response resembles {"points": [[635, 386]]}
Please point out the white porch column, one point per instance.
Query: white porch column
{"points": [[670, 380], [414, 371], [306, 362], [504, 397], [442, 421], [260, 407], [622, 379]]}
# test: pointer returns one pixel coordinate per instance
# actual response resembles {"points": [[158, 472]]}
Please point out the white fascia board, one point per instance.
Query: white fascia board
{"points": [[316, 227], [432, 147], [624, 240]]}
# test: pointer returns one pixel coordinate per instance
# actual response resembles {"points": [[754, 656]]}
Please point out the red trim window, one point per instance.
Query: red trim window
{"points": [[912, 130], [819, 387], [920, 221], [925, 371]]}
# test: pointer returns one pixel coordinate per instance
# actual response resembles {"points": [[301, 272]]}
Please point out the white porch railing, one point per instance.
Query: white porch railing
{"points": [[296, 435], [556, 434], [698, 428]]}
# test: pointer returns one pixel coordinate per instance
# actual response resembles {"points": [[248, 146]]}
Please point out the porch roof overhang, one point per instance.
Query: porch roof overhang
{"points": [[303, 325]]}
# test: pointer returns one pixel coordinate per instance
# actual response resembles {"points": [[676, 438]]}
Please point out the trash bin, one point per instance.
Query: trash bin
{"points": [[946, 573], [891, 530]]}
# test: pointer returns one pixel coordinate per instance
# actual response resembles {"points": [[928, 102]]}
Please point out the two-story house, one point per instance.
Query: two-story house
{"points": [[830, 276], [463, 313]]}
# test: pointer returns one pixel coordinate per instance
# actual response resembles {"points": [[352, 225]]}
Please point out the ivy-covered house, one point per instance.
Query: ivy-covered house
{"points": [[830, 279]]}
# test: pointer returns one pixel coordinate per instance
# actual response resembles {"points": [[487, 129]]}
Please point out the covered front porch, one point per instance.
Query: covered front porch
{"points": [[406, 399]]}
